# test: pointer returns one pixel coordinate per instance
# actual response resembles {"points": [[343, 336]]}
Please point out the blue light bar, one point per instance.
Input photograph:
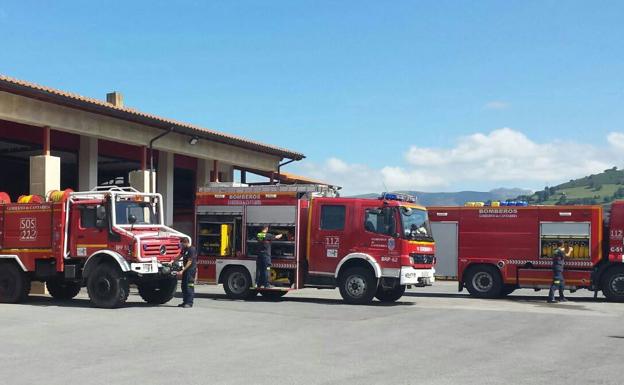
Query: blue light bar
{"points": [[397, 197]]}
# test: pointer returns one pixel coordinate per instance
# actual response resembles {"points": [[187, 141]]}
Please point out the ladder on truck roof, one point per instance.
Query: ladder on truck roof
{"points": [[307, 188]]}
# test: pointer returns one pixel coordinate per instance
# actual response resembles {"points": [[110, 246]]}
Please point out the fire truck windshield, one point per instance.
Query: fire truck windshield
{"points": [[415, 223], [144, 212]]}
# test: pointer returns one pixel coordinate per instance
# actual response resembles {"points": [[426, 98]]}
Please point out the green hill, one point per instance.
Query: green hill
{"points": [[600, 188]]}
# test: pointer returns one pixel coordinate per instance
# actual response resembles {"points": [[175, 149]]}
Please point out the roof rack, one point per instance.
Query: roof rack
{"points": [[307, 188], [115, 189]]}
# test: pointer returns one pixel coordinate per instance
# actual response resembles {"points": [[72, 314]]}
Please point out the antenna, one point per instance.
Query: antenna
{"points": [[384, 186]]}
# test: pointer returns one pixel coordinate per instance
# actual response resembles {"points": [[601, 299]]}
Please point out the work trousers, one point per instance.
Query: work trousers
{"points": [[263, 267], [558, 283], [188, 287]]}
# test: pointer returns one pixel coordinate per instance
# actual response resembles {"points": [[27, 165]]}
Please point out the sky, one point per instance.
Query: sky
{"points": [[379, 95]]}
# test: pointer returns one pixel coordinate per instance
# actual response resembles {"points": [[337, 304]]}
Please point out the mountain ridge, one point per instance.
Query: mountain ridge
{"points": [[460, 197]]}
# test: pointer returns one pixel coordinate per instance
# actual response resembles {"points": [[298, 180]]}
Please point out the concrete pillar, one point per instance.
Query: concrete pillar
{"points": [[227, 172], [87, 163], [204, 167], [139, 179], [45, 174], [164, 185]]}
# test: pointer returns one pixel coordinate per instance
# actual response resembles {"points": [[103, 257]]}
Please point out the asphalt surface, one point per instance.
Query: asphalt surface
{"points": [[432, 336]]}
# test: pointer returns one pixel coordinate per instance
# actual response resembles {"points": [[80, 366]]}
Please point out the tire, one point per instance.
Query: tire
{"points": [[158, 292], [237, 283], [506, 290], [272, 294], [63, 290], [14, 285], [484, 282], [358, 285], [613, 284], [390, 295], [107, 286]]}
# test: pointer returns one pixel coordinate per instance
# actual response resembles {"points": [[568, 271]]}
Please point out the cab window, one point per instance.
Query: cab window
{"points": [[333, 217], [88, 217], [380, 221]]}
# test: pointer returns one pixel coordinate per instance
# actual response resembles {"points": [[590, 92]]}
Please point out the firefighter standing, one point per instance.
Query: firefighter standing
{"points": [[263, 261], [558, 262], [189, 260]]}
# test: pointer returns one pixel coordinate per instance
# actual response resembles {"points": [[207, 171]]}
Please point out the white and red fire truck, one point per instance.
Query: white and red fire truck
{"points": [[105, 239], [499, 249], [365, 247]]}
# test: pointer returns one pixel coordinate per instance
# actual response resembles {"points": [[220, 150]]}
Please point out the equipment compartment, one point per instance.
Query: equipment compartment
{"points": [[280, 248], [576, 234], [219, 235]]}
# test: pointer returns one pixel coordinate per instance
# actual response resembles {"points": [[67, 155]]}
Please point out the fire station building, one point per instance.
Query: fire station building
{"points": [[52, 139]]}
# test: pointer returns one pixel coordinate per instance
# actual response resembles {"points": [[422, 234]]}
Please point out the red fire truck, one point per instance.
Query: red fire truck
{"points": [[105, 239], [366, 247], [499, 249]]}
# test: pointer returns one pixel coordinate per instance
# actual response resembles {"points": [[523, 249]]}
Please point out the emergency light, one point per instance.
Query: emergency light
{"points": [[397, 197]]}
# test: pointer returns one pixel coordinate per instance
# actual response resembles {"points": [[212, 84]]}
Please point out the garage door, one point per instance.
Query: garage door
{"points": [[445, 236]]}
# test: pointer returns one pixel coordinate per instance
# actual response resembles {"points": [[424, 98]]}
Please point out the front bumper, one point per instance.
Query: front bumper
{"points": [[417, 277], [152, 268]]}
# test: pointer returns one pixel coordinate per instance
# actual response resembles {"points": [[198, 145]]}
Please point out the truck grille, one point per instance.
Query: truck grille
{"points": [[423, 259], [155, 250]]}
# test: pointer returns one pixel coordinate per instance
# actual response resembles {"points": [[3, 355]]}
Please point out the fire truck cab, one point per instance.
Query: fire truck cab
{"points": [[365, 247], [105, 239]]}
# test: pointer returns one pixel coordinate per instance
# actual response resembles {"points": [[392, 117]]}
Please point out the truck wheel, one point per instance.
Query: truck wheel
{"points": [[107, 286], [14, 285], [390, 295], [159, 291], [63, 290], [358, 285], [484, 282], [237, 283], [613, 284]]}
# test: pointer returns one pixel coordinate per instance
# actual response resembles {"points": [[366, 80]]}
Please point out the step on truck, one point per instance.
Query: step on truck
{"points": [[105, 239], [500, 249], [366, 247]]}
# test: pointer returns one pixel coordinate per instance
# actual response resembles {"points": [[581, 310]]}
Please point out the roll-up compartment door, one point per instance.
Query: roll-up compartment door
{"points": [[445, 236], [271, 214]]}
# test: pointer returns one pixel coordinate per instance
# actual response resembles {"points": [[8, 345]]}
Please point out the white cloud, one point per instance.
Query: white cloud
{"points": [[502, 157], [496, 105], [616, 139]]}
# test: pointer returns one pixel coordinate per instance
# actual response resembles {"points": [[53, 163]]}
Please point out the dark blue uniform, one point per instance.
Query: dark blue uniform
{"points": [[188, 277], [558, 282], [263, 261]]}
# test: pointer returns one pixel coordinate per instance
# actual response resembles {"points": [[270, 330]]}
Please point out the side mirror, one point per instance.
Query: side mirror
{"points": [[132, 219], [100, 223]]}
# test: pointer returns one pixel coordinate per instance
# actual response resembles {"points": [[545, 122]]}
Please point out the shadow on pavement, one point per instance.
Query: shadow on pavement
{"points": [[74, 303], [318, 301], [511, 298]]}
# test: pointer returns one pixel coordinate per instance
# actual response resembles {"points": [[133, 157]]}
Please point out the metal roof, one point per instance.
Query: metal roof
{"points": [[93, 105]]}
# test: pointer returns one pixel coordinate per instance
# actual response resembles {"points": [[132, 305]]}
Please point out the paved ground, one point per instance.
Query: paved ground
{"points": [[434, 336]]}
